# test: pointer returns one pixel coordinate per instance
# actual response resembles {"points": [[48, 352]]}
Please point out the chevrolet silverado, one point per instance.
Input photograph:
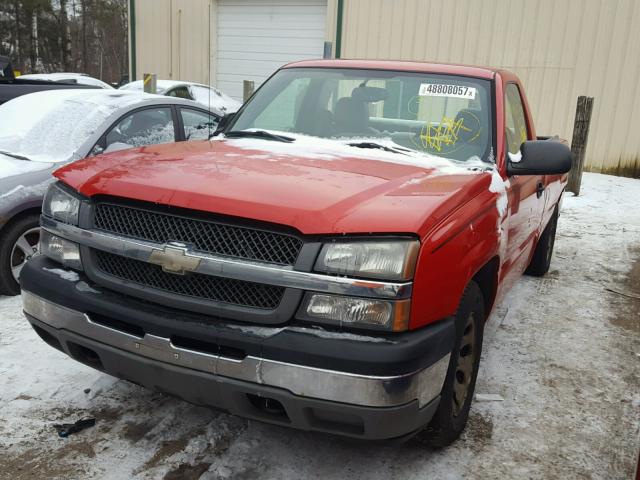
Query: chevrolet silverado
{"points": [[326, 261]]}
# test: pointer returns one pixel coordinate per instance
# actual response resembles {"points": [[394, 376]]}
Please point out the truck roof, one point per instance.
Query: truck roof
{"points": [[425, 67]]}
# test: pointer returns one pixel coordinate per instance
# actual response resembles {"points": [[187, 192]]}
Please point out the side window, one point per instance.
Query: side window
{"points": [[516, 124], [198, 125], [144, 127]]}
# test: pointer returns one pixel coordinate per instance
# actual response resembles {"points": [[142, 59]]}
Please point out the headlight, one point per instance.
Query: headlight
{"points": [[61, 250], [356, 312], [389, 260], [61, 205]]}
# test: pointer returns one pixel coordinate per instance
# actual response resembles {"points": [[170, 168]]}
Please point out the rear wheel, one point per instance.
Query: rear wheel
{"points": [[457, 392], [541, 260], [18, 243]]}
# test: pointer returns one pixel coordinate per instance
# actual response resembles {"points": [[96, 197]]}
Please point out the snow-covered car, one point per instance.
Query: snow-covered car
{"points": [[77, 78], [41, 131], [203, 94]]}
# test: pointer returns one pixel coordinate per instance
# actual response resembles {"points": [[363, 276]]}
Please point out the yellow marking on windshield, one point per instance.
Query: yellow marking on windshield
{"points": [[445, 134]]}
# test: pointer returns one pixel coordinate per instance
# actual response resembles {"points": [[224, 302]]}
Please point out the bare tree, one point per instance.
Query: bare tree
{"points": [[86, 36], [65, 36]]}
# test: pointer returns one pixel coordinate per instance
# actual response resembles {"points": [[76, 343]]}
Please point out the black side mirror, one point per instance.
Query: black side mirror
{"points": [[222, 124], [540, 157]]}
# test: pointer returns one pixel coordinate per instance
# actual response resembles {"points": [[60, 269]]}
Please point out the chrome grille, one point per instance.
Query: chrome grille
{"points": [[205, 287], [205, 235]]}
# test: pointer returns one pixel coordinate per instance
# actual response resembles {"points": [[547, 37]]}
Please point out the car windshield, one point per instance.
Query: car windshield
{"points": [[444, 115]]}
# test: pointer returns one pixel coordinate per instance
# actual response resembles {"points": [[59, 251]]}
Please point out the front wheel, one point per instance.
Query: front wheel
{"points": [[457, 392], [18, 243]]}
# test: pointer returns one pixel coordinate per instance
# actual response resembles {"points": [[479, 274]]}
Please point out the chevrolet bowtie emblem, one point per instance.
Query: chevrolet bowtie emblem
{"points": [[173, 258]]}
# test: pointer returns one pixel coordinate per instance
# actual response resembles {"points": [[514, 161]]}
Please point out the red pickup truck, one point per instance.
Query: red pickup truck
{"points": [[327, 261]]}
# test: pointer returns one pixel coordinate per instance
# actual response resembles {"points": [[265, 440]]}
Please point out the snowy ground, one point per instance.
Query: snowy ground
{"points": [[563, 351]]}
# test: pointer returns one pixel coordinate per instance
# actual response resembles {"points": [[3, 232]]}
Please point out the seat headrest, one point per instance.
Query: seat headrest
{"points": [[351, 116]]}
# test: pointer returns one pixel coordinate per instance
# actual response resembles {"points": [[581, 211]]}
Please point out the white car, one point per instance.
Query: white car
{"points": [[42, 131], [79, 78], [203, 94]]}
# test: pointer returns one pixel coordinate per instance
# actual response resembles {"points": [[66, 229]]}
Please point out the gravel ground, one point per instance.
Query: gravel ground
{"points": [[563, 352]]}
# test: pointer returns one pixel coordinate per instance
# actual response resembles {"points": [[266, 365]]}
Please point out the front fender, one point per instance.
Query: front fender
{"points": [[451, 255]]}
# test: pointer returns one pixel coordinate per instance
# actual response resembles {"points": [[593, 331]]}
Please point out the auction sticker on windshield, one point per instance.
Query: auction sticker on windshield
{"points": [[444, 90]]}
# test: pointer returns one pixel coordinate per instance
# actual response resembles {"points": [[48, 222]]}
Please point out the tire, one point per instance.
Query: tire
{"points": [[457, 391], [541, 260], [14, 252]]}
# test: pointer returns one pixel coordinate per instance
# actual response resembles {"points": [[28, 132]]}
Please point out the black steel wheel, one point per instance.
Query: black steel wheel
{"points": [[457, 392]]}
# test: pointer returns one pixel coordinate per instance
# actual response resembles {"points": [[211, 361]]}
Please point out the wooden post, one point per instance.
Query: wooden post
{"points": [[248, 86], [150, 82], [579, 142]]}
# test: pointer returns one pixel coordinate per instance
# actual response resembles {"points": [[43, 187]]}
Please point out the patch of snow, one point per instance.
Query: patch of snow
{"points": [[69, 275], [499, 186], [515, 157], [213, 98], [332, 149], [77, 78]]}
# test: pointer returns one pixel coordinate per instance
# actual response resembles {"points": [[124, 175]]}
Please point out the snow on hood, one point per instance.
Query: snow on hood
{"points": [[50, 126], [331, 149]]}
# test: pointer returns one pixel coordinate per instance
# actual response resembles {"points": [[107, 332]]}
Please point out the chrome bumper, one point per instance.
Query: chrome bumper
{"points": [[371, 391]]}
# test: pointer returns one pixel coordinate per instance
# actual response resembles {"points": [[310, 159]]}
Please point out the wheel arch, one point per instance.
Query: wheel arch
{"points": [[15, 216], [487, 279]]}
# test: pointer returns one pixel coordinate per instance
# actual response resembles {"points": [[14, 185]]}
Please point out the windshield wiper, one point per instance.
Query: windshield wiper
{"points": [[379, 146], [15, 155], [258, 134]]}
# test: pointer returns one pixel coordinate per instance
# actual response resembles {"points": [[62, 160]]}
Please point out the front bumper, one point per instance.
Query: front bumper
{"points": [[242, 368]]}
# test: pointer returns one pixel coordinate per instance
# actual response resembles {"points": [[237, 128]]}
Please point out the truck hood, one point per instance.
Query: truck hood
{"points": [[316, 186]]}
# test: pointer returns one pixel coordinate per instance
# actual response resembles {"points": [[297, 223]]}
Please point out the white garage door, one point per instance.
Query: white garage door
{"points": [[256, 37]]}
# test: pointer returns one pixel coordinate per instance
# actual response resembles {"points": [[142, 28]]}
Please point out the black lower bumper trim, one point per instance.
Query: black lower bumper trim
{"points": [[241, 398]]}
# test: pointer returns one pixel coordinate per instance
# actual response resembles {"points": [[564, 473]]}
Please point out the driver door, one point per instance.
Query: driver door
{"points": [[526, 192]]}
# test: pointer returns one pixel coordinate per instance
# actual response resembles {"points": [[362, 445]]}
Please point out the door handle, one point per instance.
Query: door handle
{"points": [[539, 189]]}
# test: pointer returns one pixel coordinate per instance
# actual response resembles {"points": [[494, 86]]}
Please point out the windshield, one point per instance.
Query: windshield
{"points": [[443, 115], [49, 127]]}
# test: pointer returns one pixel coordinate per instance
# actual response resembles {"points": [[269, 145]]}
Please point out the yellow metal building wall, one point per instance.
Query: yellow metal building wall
{"points": [[559, 48], [173, 39]]}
